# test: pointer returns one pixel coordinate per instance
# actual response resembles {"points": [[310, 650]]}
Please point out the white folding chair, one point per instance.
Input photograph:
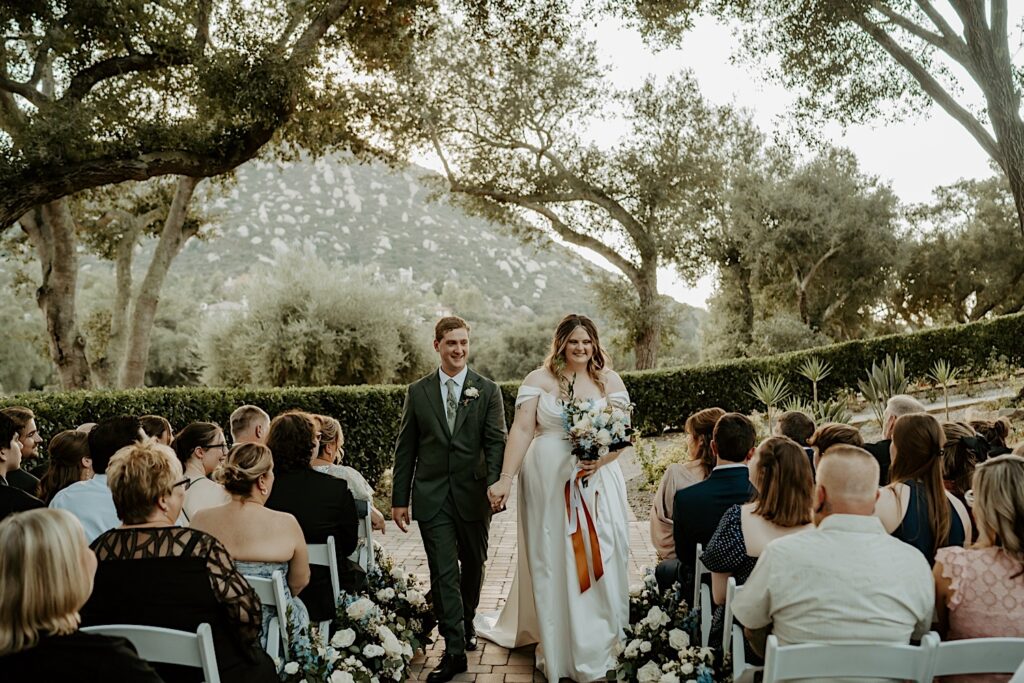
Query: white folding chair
{"points": [[732, 635], [271, 594], [1019, 676], [364, 556], [979, 656], [325, 555], [168, 646], [702, 596], [854, 660]]}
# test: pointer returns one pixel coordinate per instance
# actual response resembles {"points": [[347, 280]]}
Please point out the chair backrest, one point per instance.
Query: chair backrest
{"points": [[325, 555], [702, 596], [271, 594], [699, 571], [979, 656], [727, 621], [853, 660], [363, 555], [1019, 676], [168, 646]]}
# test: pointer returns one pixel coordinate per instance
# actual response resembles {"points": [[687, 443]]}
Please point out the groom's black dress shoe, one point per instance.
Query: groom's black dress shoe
{"points": [[446, 670]]}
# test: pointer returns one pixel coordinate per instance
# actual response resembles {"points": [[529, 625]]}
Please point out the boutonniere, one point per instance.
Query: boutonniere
{"points": [[470, 394]]}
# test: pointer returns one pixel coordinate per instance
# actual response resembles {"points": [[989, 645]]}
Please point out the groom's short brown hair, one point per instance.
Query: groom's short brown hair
{"points": [[447, 324]]}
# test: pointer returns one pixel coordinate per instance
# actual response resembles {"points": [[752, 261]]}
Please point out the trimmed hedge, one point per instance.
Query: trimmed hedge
{"points": [[663, 398]]}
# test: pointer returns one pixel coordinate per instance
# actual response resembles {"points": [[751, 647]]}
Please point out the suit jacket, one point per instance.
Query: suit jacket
{"points": [[15, 500], [324, 507], [698, 509], [26, 481], [431, 462], [881, 452]]}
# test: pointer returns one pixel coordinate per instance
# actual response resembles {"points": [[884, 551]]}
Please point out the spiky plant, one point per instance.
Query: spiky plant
{"points": [[771, 390], [884, 381], [815, 370], [943, 374]]}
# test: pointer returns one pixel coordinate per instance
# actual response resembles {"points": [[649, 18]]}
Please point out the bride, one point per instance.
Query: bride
{"points": [[559, 597]]}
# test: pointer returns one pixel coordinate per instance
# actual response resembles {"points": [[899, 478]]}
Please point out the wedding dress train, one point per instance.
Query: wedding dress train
{"points": [[576, 630]]}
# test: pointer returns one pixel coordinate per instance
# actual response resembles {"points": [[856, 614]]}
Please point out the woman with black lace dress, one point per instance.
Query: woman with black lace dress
{"points": [[155, 573]]}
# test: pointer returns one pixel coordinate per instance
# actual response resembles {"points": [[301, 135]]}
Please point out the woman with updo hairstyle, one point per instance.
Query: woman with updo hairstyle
{"points": [[69, 462], [678, 475], [995, 432], [915, 506], [260, 540], [158, 427], [831, 434], [329, 461], [201, 447], [963, 451], [322, 504], [46, 575], [153, 572], [979, 591]]}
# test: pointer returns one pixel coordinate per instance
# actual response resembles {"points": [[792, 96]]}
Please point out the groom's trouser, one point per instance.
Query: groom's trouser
{"points": [[451, 541]]}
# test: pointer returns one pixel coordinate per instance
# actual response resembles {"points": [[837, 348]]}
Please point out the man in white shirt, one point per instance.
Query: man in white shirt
{"points": [[91, 500], [846, 581]]}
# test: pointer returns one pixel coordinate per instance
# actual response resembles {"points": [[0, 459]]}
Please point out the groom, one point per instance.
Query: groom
{"points": [[449, 450]]}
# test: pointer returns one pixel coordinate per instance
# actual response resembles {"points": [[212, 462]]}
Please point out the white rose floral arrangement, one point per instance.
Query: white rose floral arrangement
{"points": [[595, 429], [316, 662], [657, 645], [405, 595]]}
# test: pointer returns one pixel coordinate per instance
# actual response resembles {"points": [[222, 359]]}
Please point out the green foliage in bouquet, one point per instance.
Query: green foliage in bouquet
{"points": [[403, 594]]}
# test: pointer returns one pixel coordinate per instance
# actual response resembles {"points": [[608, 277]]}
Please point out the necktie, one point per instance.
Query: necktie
{"points": [[451, 404]]}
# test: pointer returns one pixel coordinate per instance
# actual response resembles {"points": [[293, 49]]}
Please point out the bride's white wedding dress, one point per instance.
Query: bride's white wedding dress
{"points": [[576, 631]]}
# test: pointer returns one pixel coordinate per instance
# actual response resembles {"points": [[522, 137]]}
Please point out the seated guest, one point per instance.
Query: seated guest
{"points": [[158, 427], [782, 476], [897, 406], [28, 435], [322, 504], [845, 581], [46, 575], [12, 499], [261, 541], [697, 509], [830, 434], [701, 461], [916, 507], [249, 424], [154, 573], [963, 451], [979, 591], [90, 500], [70, 462], [995, 433], [201, 447], [799, 427]]}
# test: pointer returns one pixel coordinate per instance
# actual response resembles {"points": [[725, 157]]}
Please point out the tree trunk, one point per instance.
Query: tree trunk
{"points": [[107, 368], [647, 341], [172, 238], [51, 229]]}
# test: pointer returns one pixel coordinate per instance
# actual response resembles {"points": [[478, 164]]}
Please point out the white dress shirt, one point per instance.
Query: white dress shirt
{"points": [[460, 379], [847, 581], [93, 504]]}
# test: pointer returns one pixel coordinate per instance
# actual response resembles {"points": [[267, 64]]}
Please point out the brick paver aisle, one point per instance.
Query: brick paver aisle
{"points": [[492, 663]]}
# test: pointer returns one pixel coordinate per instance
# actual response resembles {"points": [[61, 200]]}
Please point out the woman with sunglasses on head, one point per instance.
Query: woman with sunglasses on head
{"points": [[153, 572], [200, 448]]}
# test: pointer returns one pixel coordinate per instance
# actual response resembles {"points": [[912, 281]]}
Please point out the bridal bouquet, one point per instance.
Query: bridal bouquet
{"points": [[595, 430]]}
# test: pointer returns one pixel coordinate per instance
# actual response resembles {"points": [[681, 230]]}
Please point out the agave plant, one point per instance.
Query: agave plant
{"points": [[943, 374], [884, 381], [820, 411], [771, 390], [815, 370]]}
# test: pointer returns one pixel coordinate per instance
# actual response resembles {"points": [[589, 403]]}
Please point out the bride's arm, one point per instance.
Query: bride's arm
{"points": [[613, 384], [519, 438]]}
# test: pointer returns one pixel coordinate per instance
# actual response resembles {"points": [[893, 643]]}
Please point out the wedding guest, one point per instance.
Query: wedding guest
{"points": [[970, 582], [895, 407], [799, 427], [830, 434], [963, 451], [698, 509], [28, 435], [70, 462], [782, 476], [154, 573], [915, 507], [85, 427], [91, 500], [995, 433], [249, 424], [46, 575], [329, 460], [701, 461], [845, 581], [322, 504], [201, 447], [12, 499], [158, 427], [260, 540]]}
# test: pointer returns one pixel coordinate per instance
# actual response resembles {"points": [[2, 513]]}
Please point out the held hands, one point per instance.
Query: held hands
{"points": [[401, 518], [498, 493]]}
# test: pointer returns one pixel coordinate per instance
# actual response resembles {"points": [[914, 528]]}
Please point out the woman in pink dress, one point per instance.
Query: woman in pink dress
{"points": [[979, 591]]}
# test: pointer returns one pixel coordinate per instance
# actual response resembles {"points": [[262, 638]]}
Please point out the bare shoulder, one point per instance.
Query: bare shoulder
{"points": [[612, 382], [542, 379]]}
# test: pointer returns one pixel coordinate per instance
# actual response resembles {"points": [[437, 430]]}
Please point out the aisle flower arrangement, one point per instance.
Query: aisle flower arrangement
{"points": [[404, 594], [656, 647]]}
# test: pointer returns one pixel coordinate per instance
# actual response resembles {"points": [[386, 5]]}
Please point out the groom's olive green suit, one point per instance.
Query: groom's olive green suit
{"points": [[446, 473]]}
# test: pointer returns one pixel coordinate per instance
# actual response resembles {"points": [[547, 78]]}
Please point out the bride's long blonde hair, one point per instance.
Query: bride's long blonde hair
{"points": [[599, 362]]}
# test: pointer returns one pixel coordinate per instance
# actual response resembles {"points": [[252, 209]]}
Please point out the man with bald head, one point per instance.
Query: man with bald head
{"points": [[897, 406], [845, 581]]}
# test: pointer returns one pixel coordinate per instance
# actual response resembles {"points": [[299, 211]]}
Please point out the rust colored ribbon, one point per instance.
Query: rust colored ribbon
{"points": [[576, 534]]}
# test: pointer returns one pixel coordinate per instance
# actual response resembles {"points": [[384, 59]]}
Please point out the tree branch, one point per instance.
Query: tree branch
{"points": [[998, 30], [936, 18], [87, 79], [24, 89], [908, 25]]}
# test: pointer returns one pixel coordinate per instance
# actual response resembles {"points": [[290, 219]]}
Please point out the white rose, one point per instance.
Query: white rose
{"points": [[635, 590], [386, 594], [649, 673], [686, 668], [291, 668], [604, 437], [679, 640], [656, 617], [632, 650], [472, 392], [415, 598], [645, 647], [360, 608], [373, 650], [341, 677], [398, 573], [670, 677], [618, 415], [391, 644], [344, 638], [583, 424]]}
